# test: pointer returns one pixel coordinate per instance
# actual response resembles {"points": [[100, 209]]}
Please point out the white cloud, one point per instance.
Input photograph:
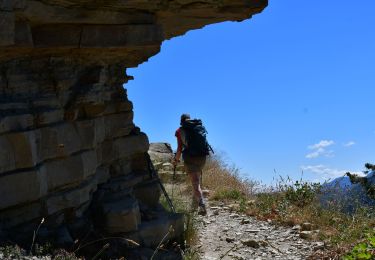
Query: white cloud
{"points": [[325, 172], [348, 144], [315, 154], [320, 149], [322, 144]]}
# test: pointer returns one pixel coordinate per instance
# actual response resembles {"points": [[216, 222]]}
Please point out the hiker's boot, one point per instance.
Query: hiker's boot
{"points": [[194, 205], [202, 208]]}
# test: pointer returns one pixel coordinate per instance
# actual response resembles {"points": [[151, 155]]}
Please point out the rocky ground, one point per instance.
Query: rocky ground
{"points": [[224, 234]]}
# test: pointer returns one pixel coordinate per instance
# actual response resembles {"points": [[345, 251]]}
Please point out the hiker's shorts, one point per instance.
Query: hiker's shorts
{"points": [[193, 163]]}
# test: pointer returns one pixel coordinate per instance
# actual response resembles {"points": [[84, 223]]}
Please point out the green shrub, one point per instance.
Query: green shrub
{"points": [[363, 251], [231, 194], [266, 203], [301, 193]]}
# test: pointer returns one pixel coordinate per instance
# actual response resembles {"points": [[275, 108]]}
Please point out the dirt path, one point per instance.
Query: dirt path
{"points": [[227, 235]]}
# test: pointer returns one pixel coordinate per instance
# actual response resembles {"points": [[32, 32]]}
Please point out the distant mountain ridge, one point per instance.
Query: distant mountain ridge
{"points": [[342, 192]]}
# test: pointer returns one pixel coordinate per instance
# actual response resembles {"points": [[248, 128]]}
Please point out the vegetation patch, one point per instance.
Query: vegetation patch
{"points": [[364, 250], [294, 203]]}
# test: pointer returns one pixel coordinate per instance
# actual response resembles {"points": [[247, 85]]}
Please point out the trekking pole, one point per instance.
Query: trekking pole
{"points": [[154, 175], [173, 178], [174, 169]]}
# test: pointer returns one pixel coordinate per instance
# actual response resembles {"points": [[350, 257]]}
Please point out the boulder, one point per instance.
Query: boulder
{"points": [[161, 152], [161, 148]]}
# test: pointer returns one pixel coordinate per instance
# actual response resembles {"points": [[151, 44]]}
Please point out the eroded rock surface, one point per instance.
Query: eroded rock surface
{"points": [[70, 152]]}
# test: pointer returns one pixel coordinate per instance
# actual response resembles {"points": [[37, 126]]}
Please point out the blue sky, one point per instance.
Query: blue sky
{"points": [[290, 90]]}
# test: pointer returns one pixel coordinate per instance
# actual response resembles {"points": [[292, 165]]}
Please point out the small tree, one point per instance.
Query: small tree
{"points": [[367, 184]]}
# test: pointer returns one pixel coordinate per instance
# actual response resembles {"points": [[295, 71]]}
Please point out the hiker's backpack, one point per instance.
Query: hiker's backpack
{"points": [[195, 138]]}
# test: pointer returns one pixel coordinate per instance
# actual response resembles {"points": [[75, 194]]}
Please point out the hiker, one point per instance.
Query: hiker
{"points": [[193, 146]]}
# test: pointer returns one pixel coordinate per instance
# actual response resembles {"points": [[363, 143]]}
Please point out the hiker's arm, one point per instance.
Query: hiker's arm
{"points": [[178, 153], [179, 150]]}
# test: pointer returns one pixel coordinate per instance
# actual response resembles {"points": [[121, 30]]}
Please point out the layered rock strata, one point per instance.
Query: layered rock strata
{"points": [[69, 147], [160, 152]]}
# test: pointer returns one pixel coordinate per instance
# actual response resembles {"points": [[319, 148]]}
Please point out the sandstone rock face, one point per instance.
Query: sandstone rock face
{"points": [[161, 152], [68, 142]]}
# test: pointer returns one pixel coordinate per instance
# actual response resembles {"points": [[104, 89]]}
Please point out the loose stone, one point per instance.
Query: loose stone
{"points": [[251, 243], [306, 234], [229, 239], [306, 227], [245, 221]]}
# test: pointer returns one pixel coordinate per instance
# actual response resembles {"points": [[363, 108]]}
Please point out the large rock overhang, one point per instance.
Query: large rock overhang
{"points": [[107, 31], [67, 135]]}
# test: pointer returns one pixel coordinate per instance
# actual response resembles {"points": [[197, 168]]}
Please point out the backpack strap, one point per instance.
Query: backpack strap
{"points": [[183, 137]]}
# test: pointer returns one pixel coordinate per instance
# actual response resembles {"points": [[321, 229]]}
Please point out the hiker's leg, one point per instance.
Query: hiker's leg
{"points": [[195, 182], [194, 166]]}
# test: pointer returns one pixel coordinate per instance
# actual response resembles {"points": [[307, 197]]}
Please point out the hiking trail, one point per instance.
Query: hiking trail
{"points": [[226, 234]]}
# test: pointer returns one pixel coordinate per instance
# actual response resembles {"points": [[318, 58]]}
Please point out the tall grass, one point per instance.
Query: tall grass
{"points": [[224, 181], [181, 200]]}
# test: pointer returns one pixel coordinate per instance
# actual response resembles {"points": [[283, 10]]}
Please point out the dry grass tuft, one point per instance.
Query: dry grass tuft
{"points": [[224, 181]]}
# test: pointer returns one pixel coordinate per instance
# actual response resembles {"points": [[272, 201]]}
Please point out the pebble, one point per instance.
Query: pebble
{"points": [[252, 230], [245, 221], [229, 239], [318, 246], [296, 227], [306, 234], [238, 257]]}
